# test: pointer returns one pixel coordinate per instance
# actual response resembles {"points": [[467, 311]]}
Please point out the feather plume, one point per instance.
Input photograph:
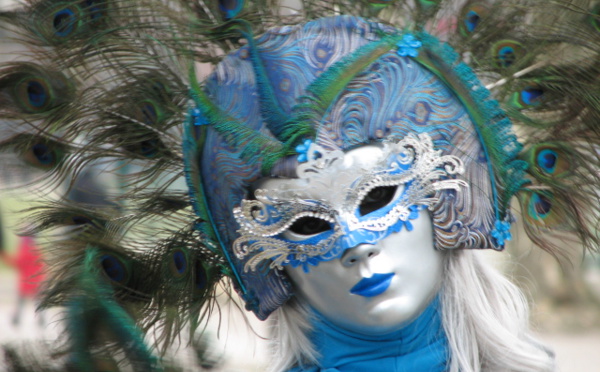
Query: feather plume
{"points": [[114, 82]]}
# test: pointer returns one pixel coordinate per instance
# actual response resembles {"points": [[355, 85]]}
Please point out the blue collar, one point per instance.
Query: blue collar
{"points": [[420, 346]]}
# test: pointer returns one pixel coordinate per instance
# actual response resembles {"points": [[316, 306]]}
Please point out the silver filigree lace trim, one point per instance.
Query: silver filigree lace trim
{"points": [[411, 161]]}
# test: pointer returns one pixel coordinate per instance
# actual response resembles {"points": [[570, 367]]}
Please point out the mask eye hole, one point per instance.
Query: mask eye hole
{"points": [[309, 226], [377, 198]]}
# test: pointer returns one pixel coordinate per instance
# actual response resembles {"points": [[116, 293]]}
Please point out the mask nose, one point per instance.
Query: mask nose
{"points": [[359, 254]]}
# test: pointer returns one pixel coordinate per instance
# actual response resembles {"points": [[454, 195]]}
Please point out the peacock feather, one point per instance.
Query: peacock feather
{"points": [[139, 88]]}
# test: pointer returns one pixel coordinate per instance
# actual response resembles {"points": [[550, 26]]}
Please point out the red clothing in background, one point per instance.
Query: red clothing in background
{"points": [[28, 263]]}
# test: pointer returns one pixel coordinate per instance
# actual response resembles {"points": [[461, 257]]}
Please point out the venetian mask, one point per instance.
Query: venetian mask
{"points": [[276, 210]]}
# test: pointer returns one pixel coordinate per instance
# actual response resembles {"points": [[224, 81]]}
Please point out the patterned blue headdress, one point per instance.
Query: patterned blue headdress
{"points": [[341, 83]]}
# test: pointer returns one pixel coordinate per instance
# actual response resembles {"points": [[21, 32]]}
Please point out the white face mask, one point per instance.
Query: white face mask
{"points": [[371, 288], [376, 289]]}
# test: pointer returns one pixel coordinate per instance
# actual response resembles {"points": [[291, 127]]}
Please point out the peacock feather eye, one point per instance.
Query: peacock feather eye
{"points": [[541, 209], [114, 268], [231, 8], [178, 263], [66, 21], [530, 96], [546, 160], [550, 160], [149, 112], [34, 94], [29, 88], [149, 148], [554, 161], [506, 53], [43, 155], [540, 206], [472, 20], [472, 16]]}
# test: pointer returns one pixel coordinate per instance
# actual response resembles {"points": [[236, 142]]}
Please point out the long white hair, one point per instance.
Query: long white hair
{"points": [[485, 317]]}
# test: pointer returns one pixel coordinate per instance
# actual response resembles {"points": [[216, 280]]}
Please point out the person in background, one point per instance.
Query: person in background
{"points": [[29, 265]]}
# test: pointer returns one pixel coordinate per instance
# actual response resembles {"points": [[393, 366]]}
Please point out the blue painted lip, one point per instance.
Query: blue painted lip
{"points": [[373, 286]]}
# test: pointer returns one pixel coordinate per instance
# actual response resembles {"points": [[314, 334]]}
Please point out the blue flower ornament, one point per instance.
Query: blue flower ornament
{"points": [[196, 116], [501, 232], [303, 151], [408, 46]]}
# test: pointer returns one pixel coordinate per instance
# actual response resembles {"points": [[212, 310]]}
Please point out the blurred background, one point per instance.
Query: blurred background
{"points": [[565, 299]]}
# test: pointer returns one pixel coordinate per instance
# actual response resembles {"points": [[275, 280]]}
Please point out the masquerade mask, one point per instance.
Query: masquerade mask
{"points": [[371, 199]]}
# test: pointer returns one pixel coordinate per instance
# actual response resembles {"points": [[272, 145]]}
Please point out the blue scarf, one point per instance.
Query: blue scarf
{"points": [[420, 346]]}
